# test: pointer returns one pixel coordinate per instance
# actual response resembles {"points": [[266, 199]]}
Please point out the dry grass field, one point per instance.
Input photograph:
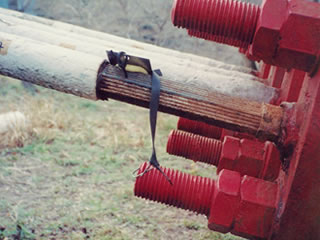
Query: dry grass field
{"points": [[69, 174], [71, 177]]}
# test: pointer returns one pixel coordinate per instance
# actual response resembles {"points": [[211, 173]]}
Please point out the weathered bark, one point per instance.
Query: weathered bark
{"points": [[65, 28], [194, 102], [76, 73], [49, 66], [183, 70], [97, 46], [14, 26]]}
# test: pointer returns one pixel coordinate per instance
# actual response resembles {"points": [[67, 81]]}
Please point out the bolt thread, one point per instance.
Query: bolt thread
{"points": [[218, 39], [199, 128], [224, 21], [188, 192], [194, 147]]}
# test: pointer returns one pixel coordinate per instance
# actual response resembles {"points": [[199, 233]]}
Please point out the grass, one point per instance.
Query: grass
{"points": [[72, 176]]}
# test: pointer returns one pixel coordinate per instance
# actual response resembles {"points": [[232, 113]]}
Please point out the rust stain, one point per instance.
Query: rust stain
{"points": [[5, 47], [67, 45], [271, 119]]}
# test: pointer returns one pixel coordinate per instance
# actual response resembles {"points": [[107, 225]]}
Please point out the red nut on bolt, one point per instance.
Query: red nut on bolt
{"points": [[269, 33], [253, 158], [244, 155], [276, 40], [245, 206]]}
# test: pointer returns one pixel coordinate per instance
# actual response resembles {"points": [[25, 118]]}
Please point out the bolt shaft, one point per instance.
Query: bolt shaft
{"points": [[194, 147], [226, 21], [188, 192], [199, 128], [218, 39]]}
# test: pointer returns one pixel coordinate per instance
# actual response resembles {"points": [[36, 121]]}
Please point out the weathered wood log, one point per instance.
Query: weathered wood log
{"points": [[230, 82], [97, 47], [63, 28], [76, 32], [20, 53], [9, 22], [193, 102], [76, 73], [49, 66]]}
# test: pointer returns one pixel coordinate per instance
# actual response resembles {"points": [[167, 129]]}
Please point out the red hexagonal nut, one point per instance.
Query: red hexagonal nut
{"points": [[229, 153], [276, 40], [251, 157], [267, 33], [245, 156], [300, 38], [226, 201], [272, 162], [248, 157], [243, 205], [256, 209]]}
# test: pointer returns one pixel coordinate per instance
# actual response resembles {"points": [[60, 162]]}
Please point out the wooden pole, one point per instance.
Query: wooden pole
{"points": [[64, 28], [76, 73], [70, 39], [194, 102], [49, 66], [229, 82]]}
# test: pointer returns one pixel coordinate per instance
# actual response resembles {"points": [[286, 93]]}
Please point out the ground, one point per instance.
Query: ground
{"points": [[71, 176]]}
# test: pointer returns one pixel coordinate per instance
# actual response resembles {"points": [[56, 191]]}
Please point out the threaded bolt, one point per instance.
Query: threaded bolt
{"points": [[229, 21], [218, 39], [194, 147], [188, 192], [199, 128]]}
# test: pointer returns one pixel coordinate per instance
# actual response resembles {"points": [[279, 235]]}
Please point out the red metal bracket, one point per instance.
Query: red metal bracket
{"points": [[254, 196]]}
